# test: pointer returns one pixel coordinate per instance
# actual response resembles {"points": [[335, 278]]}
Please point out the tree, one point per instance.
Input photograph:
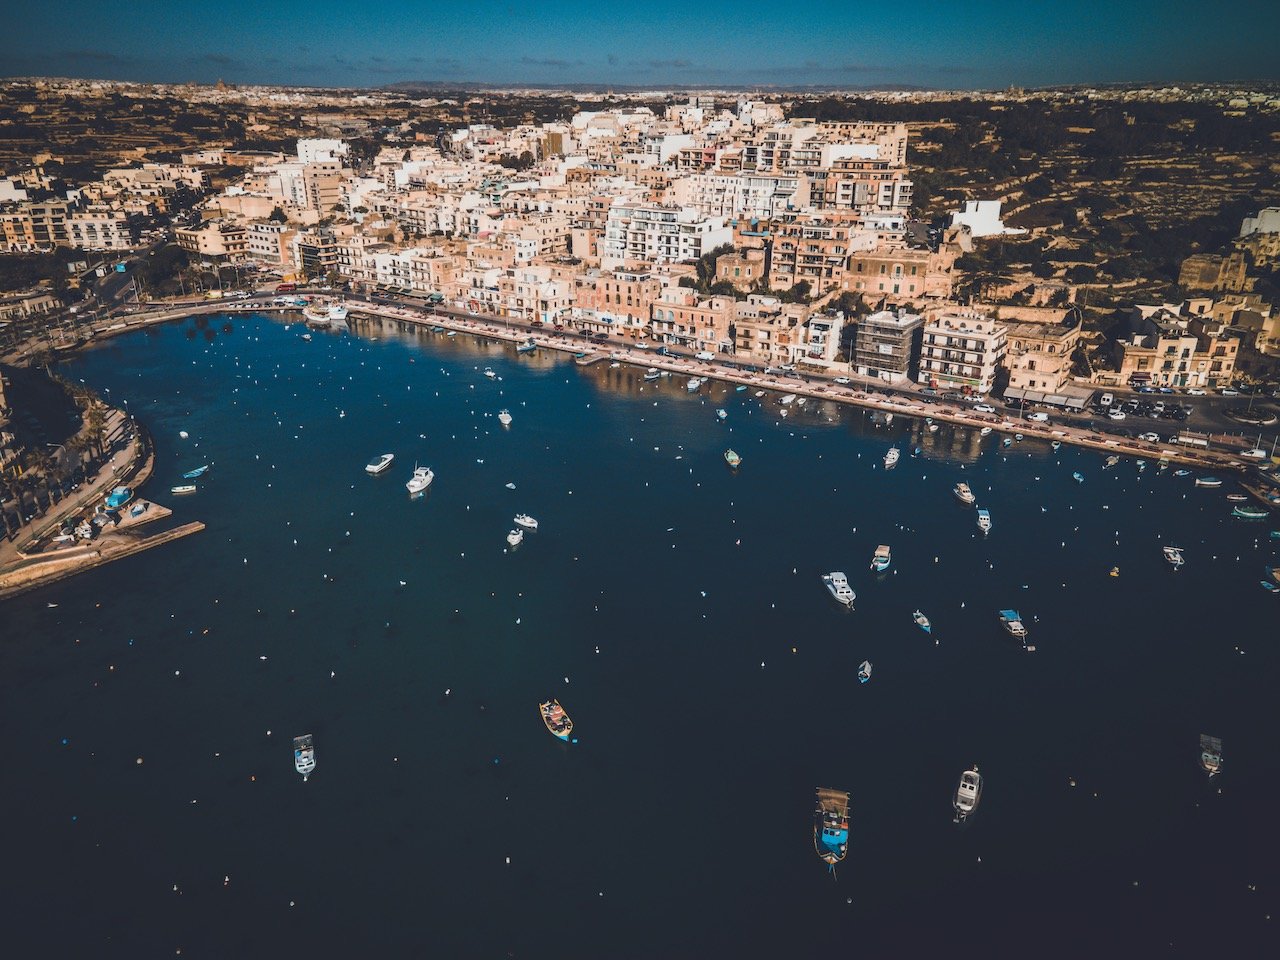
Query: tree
{"points": [[277, 215]]}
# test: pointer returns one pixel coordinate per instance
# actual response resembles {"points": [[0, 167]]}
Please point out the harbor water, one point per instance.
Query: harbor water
{"points": [[675, 608]]}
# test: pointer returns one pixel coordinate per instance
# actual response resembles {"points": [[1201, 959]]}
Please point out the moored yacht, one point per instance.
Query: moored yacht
{"points": [[317, 315], [838, 584], [504, 417], [652, 374], [968, 793], [984, 521], [304, 755], [732, 458], [557, 721], [515, 537], [526, 521], [892, 457], [421, 479], [964, 494], [1012, 621], [864, 671], [880, 560], [338, 312], [831, 826], [379, 463], [1174, 556], [1210, 754]]}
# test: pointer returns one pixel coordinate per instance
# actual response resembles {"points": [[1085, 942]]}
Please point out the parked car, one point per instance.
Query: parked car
{"points": [[1116, 415], [983, 408], [843, 381], [1196, 392], [1229, 392], [1149, 437], [705, 355]]}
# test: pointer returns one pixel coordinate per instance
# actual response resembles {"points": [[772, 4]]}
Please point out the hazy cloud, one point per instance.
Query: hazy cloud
{"points": [[219, 59], [549, 62], [98, 56]]}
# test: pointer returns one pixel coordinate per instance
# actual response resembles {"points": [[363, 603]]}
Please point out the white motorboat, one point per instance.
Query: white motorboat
{"points": [[316, 314], [789, 399], [504, 417], [304, 755], [985, 431], [968, 793], [1174, 557], [488, 372], [421, 479], [652, 374], [722, 413], [892, 457], [337, 312], [379, 463], [864, 671], [1012, 621], [984, 521], [183, 488], [526, 521], [964, 494], [515, 537], [693, 384], [838, 584]]}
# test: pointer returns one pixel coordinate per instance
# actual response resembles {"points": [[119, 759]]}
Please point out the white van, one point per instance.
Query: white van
{"points": [[706, 355], [1107, 400], [1038, 417]]}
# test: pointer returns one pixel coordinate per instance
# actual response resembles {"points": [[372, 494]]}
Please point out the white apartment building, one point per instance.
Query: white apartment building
{"points": [[269, 243], [99, 228], [653, 233], [741, 195], [312, 150], [962, 350]]}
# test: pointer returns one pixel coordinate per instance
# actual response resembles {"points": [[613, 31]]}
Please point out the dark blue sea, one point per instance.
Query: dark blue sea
{"points": [[149, 801]]}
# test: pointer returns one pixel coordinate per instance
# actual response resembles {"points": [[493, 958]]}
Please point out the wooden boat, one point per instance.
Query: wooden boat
{"points": [[183, 488], [881, 560], [1012, 621], [1210, 754], [558, 723], [197, 472], [732, 459], [1250, 513], [1211, 482], [304, 755], [922, 622], [1110, 462], [831, 826], [1237, 497], [968, 793]]}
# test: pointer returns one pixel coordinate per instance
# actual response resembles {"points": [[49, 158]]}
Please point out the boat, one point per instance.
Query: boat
{"points": [[740, 388], [1275, 534], [1174, 556], [1210, 754], [693, 384], [421, 479], [968, 793], [118, 497], [1141, 465], [437, 329], [1250, 513], [1237, 497], [307, 337], [864, 671], [984, 521], [1012, 621], [787, 400], [1211, 482], [985, 431], [759, 394], [526, 521], [1078, 477], [838, 584], [831, 826], [316, 315], [922, 622], [1017, 437], [1111, 462], [800, 402], [337, 313], [892, 457], [515, 537], [197, 472], [527, 347], [304, 755], [964, 494], [183, 488], [1057, 444], [721, 414], [488, 372], [1270, 587], [379, 463], [880, 561], [183, 434], [558, 723], [504, 417], [1006, 442], [732, 459], [1182, 473], [651, 374]]}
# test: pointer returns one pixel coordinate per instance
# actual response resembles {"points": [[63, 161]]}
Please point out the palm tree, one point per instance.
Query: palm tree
{"points": [[96, 421]]}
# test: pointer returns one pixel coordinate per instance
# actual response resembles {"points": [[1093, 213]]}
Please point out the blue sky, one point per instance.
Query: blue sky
{"points": [[989, 43]]}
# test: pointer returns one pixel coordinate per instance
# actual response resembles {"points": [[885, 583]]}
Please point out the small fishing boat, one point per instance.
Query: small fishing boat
{"points": [[759, 394], [379, 463], [787, 400], [304, 755], [1237, 497], [307, 337], [421, 479], [651, 374], [183, 488], [984, 521], [526, 521], [437, 329], [740, 388], [509, 486], [1250, 513], [1271, 588], [891, 457], [527, 347], [1057, 444], [1141, 465], [831, 826], [197, 472], [515, 537], [504, 417], [1275, 534], [1012, 621], [838, 585], [922, 622], [1110, 462], [1211, 482], [557, 721], [1006, 442], [118, 497], [1174, 557], [732, 459], [1210, 754], [968, 793], [1078, 477], [880, 560], [693, 384], [984, 431], [1182, 473], [1017, 437], [864, 671], [488, 372], [183, 434], [316, 316], [964, 494], [721, 414]]}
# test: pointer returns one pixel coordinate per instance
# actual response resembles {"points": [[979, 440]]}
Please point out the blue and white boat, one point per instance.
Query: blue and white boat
{"points": [[1078, 477], [527, 347], [304, 755], [197, 472], [922, 622], [1006, 442], [1012, 621], [880, 561], [831, 826], [721, 413], [864, 671], [118, 497], [984, 521], [379, 463]]}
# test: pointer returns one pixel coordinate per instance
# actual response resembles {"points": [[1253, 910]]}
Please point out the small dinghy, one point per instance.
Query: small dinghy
{"points": [[864, 671], [922, 621]]}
